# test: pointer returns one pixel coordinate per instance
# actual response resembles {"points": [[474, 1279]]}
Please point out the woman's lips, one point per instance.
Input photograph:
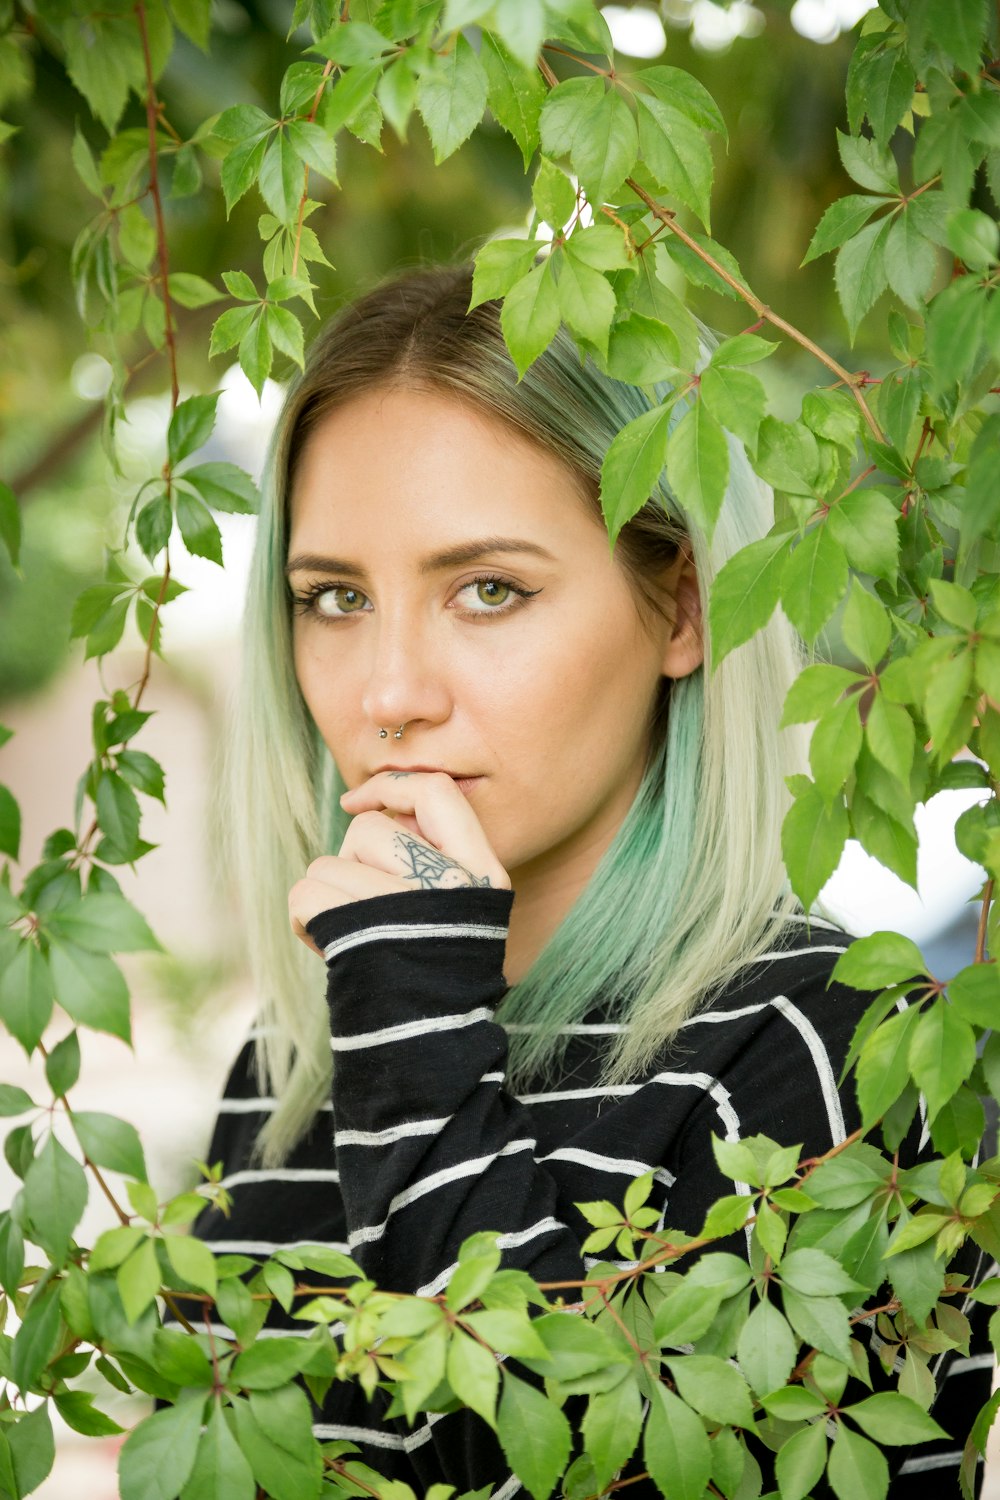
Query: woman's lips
{"points": [[467, 783]]}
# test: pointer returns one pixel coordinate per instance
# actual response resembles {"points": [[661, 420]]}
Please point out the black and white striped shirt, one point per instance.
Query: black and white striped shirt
{"points": [[423, 1145]]}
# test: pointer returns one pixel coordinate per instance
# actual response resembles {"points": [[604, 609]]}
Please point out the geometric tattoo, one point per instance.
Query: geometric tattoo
{"points": [[430, 869]]}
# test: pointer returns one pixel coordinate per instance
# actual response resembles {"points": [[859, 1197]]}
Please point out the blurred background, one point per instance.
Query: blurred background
{"points": [[777, 70]]}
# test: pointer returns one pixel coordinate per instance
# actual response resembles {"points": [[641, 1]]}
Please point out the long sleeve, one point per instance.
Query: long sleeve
{"points": [[429, 1146]]}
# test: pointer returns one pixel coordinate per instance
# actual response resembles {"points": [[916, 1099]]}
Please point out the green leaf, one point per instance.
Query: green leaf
{"points": [[118, 814], [942, 1054], [865, 626], [14, 1100], [55, 1195], [894, 1419], [78, 1411], [534, 1434], [891, 738], [676, 153], [26, 994], [273, 1362], [142, 771], [883, 1069], [10, 523], [231, 327], [736, 399], [842, 221], [857, 1470], [595, 129], [611, 1428], [36, 1339], [793, 1403], [676, 1448], [191, 426], [813, 835], [473, 1375], [910, 259], [200, 532], [682, 91], [698, 465], [32, 1449], [282, 178], [801, 1461], [221, 1471], [975, 995], [138, 1280], [553, 195], [90, 988], [835, 745], [274, 1430], [767, 1349], [633, 466], [815, 691], [745, 591], [315, 147], [159, 1453], [499, 265], [586, 300], [451, 96], [508, 1332], [954, 331], [814, 1273], [686, 1312], [814, 581], [529, 318], [713, 1388], [820, 1322], [870, 165], [110, 1142], [103, 924], [974, 237], [860, 272], [153, 526], [643, 350], [516, 94]]}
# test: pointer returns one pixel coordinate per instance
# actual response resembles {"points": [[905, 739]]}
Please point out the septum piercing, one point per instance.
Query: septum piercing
{"points": [[383, 733]]}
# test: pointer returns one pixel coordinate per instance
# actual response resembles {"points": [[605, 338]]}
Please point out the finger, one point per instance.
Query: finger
{"points": [[379, 841], [329, 883], [445, 817]]}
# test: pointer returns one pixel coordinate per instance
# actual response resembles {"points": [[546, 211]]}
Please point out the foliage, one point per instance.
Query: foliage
{"points": [[886, 510]]}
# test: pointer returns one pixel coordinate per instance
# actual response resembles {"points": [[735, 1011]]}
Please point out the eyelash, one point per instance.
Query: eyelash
{"points": [[304, 603]]}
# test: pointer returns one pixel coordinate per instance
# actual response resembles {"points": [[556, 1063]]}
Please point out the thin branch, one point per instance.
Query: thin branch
{"points": [[152, 114], [983, 914]]}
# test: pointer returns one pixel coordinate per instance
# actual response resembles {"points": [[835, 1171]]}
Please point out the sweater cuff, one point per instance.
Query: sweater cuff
{"points": [[425, 953], [466, 905]]}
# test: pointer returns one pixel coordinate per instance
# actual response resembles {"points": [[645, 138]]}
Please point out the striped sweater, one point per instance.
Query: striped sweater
{"points": [[422, 1144]]}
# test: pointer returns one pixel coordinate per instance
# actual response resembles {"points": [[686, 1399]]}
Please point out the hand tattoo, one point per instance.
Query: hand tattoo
{"points": [[431, 869]]}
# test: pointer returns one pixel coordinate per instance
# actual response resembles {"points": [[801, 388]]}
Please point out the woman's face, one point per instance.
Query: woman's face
{"points": [[526, 665]]}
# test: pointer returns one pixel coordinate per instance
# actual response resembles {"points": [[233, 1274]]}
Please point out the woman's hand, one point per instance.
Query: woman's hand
{"points": [[436, 843]]}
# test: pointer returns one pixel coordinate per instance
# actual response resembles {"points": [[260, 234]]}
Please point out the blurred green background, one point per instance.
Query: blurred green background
{"points": [[777, 70]]}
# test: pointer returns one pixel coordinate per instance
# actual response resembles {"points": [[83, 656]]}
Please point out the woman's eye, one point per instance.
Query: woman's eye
{"points": [[333, 602], [490, 591]]}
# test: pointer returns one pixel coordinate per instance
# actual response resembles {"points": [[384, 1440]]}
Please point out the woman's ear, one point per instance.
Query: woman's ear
{"points": [[685, 650]]}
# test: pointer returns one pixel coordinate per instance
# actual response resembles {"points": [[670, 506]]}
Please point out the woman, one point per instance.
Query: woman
{"points": [[451, 681]]}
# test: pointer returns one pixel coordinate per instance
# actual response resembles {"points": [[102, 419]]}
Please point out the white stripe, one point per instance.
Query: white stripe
{"points": [[377, 1437], [281, 1174], [935, 1461], [393, 930], [557, 1095], [492, 1078], [390, 1133], [821, 1060], [469, 1168], [511, 1241], [970, 1362], [588, 1028], [408, 1029], [268, 1247], [727, 1015], [257, 1103], [510, 1488], [600, 1163], [777, 953]]}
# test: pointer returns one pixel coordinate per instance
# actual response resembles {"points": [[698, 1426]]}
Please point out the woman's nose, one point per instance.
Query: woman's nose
{"points": [[406, 677]]}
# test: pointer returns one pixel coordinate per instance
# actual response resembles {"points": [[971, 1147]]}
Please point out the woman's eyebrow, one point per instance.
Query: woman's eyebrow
{"points": [[453, 556]]}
